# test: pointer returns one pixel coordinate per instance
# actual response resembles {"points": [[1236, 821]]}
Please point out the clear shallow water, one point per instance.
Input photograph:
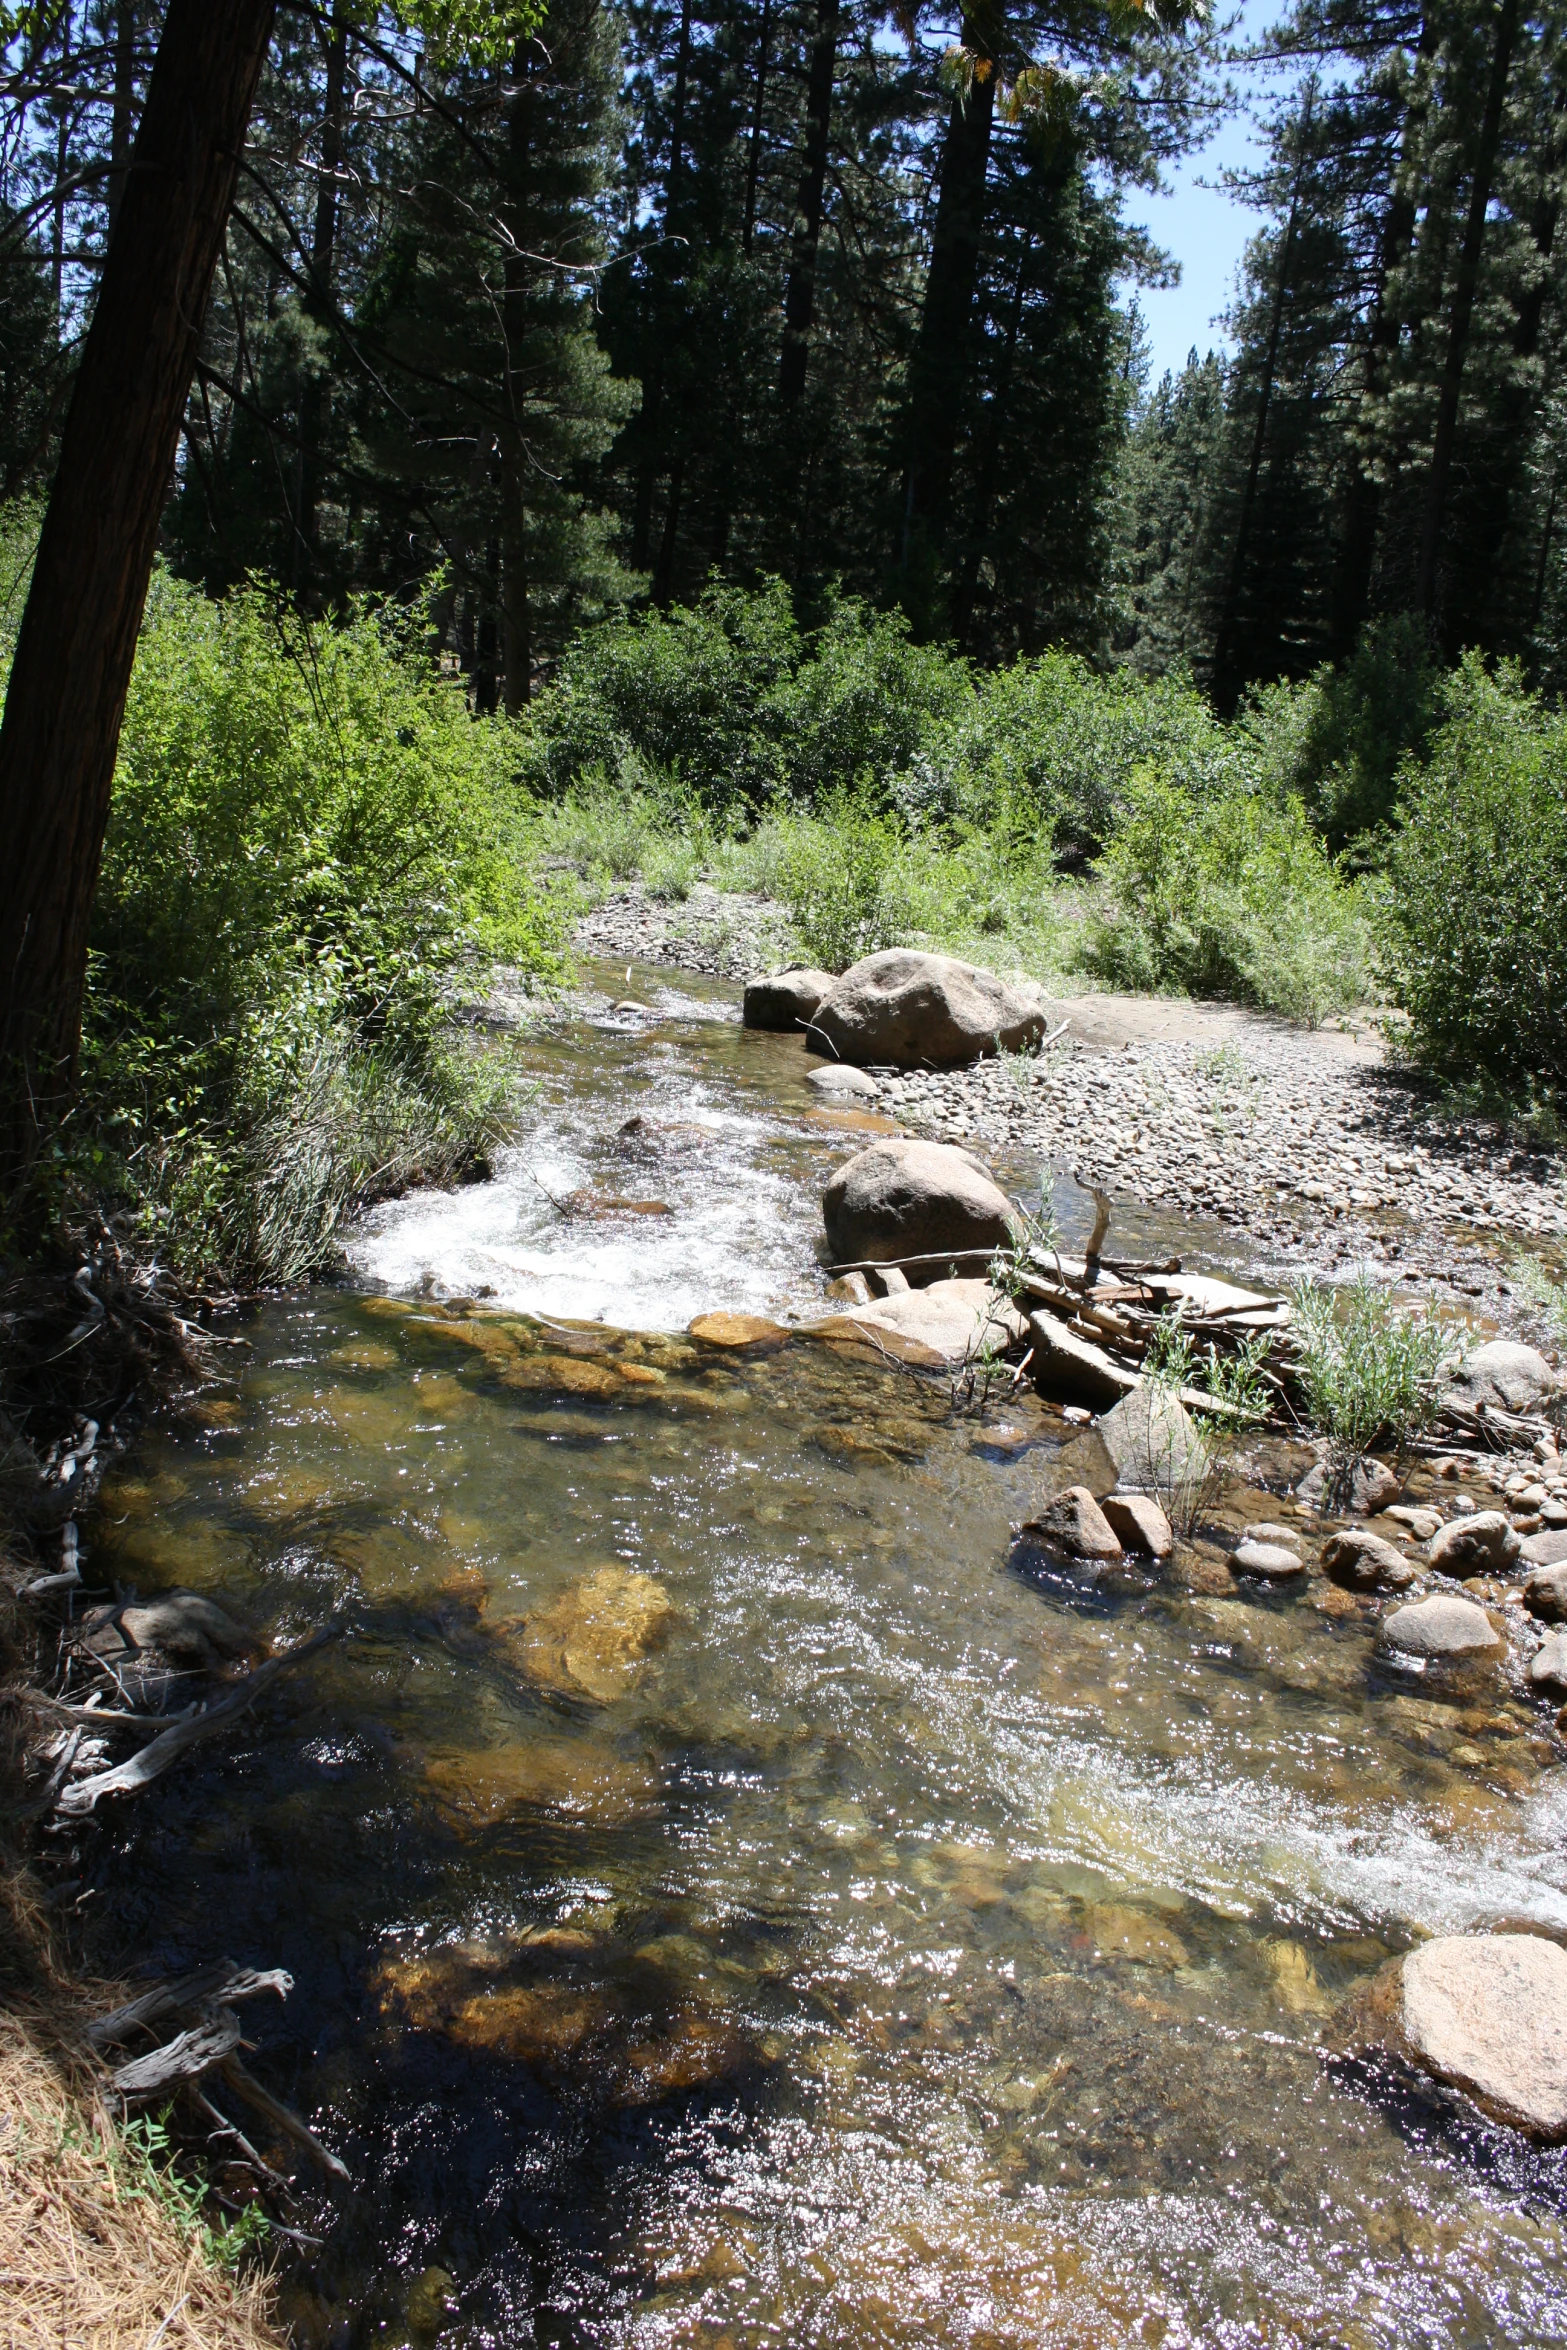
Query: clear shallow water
{"points": [[737, 1895]]}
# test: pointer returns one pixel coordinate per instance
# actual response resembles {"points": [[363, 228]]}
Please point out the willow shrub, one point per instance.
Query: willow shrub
{"points": [[314, 853], [1474, 938], [1227, 895]]}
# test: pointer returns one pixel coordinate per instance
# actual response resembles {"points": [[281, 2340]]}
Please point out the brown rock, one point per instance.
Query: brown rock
{"points": [[1073, 1370], [737, 1330], [1139, 1523], [1270, 1560], [188, 1627], [1482, 1544], [1548, 1665], [924, 1011], [1363, 1561], [904, 1198], [596, 1638], [1362, 1486], [785, 1000], [1075, 1523], [939, 1328], [1545, 1592]]}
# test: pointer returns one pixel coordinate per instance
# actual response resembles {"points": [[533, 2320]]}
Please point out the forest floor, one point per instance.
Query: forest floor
{"points": [[1315, 1146]]}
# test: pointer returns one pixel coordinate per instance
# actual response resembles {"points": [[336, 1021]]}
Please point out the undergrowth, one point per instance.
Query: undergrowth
{"points": [[1369, 1371]]}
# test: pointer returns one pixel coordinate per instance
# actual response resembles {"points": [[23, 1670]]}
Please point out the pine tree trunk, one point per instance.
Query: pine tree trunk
{"points": [[78, 637], [1463, 309], [753, 162], [943, 360], [314, 399], [122, 112], [800, 290], [992, 439], [1363, 500]]}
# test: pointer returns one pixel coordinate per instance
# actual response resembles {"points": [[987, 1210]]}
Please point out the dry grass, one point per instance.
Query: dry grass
{"points": [[87, 2262]]}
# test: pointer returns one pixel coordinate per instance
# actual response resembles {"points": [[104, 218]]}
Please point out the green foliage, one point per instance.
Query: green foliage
{"points": [[738, 707], [1231, 895], [1338, 739], [1236, 1381], [149, 2172], [1475, 947], [843, 880], [1369, 1372], [314, 852]]}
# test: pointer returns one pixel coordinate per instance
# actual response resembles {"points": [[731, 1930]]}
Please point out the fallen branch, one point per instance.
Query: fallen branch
{"points": [[184, 2058], [246, 2086], [128, 1778], [219, 1980]]}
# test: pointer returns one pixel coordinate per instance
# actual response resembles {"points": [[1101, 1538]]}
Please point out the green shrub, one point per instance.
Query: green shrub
{"points": [[1231, 896], [1369, 1372], [1475, 945], [1338, 739], [313, 854], [738, 708], [842, 878]]}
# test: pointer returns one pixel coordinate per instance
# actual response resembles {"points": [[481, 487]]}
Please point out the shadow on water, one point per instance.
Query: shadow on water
{"points": [[737, 1893]]}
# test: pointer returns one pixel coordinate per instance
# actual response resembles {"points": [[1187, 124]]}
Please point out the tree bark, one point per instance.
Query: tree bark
{"points": [[78, 636], [800, 289], [1363, 502], [943, 358], [1463, 308], [122, 114], [753, 162], [314, 398]]}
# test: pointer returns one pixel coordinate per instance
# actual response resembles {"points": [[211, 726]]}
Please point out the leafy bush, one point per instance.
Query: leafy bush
{"points": [[1368, 1370], [1231, 895], [1338, 739], [313, 852], [733, 705], [1475, 946]]}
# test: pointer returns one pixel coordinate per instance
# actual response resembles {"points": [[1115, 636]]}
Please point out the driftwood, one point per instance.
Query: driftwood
{"points": [[221, 1980], [185, 2058], [128, 1778], [246, 2086]]}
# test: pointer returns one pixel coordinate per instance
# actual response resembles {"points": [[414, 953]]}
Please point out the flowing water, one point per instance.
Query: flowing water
{"points": [[739, 1895]]}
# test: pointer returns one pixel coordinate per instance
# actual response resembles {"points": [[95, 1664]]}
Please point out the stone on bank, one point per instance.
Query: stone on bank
{"points": [[924, 1012]]}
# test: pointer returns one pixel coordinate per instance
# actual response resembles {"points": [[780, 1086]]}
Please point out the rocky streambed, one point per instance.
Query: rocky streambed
{"points": [[760, 1865]]}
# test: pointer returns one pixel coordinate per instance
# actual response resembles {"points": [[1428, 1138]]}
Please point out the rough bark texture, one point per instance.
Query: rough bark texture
{"points": [[78, 637]]}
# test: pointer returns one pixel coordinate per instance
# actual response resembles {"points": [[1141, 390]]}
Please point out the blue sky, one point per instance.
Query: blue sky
{"points": [[1201, 227]]}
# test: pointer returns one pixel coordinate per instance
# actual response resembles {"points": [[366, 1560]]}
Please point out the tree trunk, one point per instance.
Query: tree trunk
{"points": [[1225, 684], [753, 162], [1363, 502], [800, 290], [1463, 308], [943, 358], [992, 438], [516, 612], [314, 397], [122, 115], [78, 637]]}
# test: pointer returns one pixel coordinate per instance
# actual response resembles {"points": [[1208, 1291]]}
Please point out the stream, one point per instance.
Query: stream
{"points": [[735, 1895]]}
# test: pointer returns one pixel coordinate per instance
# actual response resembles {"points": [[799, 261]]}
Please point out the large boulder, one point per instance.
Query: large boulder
{"points": [[904, 1198], [1484, 2013], [1545, 1592], [1517, 1378], [1363, 1561], [923, 1011], [941, 1327], [786, 1000]]}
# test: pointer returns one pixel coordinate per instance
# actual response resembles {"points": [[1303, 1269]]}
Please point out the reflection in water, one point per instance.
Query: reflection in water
{"points": [[735, 1898]]}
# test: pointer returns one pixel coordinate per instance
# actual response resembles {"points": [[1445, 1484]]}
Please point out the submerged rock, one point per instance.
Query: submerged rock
{"points": [[1485, 2014], [569, 1779], [183, 1625], [1439, 1628], [1363, 1561], [595, 1639], [785, 1000], [1071, 1369], [738, 1330], [924, 1011], [903, 1198], [1075, 1523], [1483, 1544]]}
